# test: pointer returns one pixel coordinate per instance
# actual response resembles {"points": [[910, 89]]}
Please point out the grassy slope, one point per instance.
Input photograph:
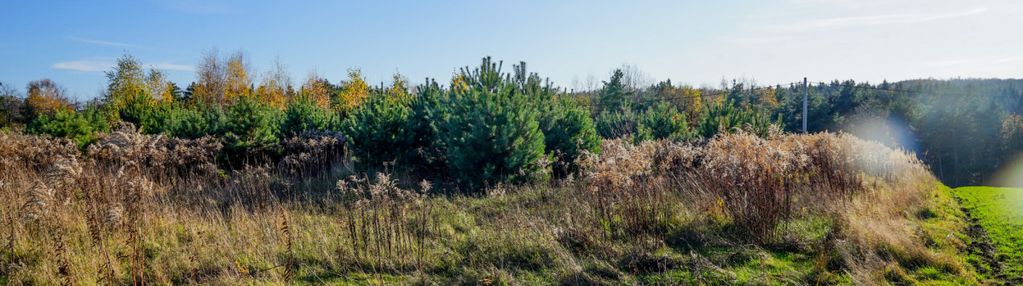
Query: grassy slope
{"points": [[1000, 212], [943, 226]]}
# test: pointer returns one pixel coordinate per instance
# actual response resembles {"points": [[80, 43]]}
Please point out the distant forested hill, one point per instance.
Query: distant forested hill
{"points": [[964, 129]]}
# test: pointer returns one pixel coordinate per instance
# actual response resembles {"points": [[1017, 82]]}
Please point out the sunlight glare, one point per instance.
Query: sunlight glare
{"points": [[1010, 174]]}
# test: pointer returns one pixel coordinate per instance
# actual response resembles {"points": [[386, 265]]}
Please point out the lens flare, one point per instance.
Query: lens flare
{"points": [[1010, 174], [890, 131]]}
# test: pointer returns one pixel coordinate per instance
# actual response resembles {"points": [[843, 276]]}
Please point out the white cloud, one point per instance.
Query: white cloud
{"points": [[102, 42], [106, 64], [174, 67], [85, 65]]}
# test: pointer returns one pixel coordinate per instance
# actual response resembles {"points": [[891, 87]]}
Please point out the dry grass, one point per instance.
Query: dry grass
{"points": [[136, 208]]}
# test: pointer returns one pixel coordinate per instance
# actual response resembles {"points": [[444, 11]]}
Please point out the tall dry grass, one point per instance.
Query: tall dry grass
{"points": [[869, 192], [147, 209]]}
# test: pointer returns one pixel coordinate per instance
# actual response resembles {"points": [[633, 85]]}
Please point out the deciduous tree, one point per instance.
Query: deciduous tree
{"points": [[353, 92], [317, 90], [45, 97]]}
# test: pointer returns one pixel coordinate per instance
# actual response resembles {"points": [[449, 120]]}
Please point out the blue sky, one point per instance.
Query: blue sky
{"points": [[575, 43]]}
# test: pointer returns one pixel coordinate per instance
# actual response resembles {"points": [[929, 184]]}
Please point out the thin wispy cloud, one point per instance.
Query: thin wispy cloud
{"points": [[103, 43], [85, 65], [174, 67], [873, 20], [106, 64]]}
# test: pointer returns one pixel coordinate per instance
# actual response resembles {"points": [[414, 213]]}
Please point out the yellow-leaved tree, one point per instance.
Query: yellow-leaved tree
{"points": [[131, 91], [768, 96], [237, 81], [399, 87], [693, 100], [159, 87], [353, 92], [222, 82], [686, 98], [316, 89], [45, 97], [275, 89], [125, 82]]}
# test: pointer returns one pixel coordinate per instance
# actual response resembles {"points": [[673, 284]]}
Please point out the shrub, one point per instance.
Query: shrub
{"points": [[491, 131], [378, 130], [568, 132], [619, 124], [302, 115], [45, 97], [725, 117], [196, 121], [663, 121], [142, 111], [80, 127], [11, 106], [251, 127], [427, 112]]}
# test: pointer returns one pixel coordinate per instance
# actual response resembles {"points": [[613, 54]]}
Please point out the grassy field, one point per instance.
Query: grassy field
{"points": [[737, 210], [999, 211]]}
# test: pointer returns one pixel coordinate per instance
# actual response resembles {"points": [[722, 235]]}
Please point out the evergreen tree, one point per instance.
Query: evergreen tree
{"points": [[491, 131], [615, 96]]}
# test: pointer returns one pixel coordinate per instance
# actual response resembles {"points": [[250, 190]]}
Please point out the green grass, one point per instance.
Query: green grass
{"points": [[999, 211]]}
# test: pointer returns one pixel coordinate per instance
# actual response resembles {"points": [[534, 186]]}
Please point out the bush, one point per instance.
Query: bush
{"points": [[45, 97], [142, 111], [619, 124], [427, 112], [11, 108], [568, 132], [81, 127], [491, 131], [302, 115], [251, 127], [725, 117], [378, 130], [663, 121], [196, 121]]}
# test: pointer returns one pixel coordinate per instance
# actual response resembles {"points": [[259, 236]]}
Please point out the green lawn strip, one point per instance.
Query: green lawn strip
{"points": [[1000, 212], [943, 225]]}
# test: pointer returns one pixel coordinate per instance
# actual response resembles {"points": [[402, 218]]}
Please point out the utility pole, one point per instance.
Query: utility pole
{"points": [[806, 94]]}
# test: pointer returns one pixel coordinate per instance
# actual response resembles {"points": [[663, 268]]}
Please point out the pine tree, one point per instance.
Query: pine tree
{"points": [[615, 96]]}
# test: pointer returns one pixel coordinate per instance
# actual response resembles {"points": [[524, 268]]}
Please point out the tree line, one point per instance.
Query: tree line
{"points": [[488, 126], [964, 129]]}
